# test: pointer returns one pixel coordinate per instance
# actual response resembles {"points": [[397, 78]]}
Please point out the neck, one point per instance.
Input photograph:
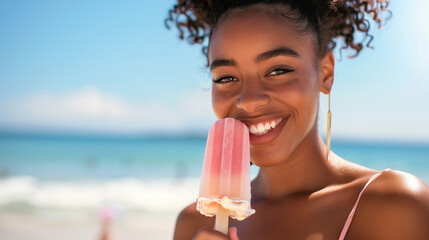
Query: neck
{"points": [[305, 171]]}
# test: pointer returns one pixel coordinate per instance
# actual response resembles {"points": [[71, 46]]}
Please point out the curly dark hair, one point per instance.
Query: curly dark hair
{"points": [[331, 20]]}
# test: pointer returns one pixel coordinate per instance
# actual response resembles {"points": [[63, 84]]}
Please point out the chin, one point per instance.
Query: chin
{"points": [[265, 159]]}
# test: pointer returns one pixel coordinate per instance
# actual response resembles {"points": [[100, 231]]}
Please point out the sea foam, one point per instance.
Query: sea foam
{"points": [[152, 195]]}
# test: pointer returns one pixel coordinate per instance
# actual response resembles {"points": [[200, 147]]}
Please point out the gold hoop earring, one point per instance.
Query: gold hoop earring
{"points": [[328, 130]]}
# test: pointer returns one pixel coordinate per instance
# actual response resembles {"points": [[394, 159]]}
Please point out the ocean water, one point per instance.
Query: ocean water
{"points": [[70, 173]]}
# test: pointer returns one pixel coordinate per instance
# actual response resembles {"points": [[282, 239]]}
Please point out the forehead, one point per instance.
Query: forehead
{"points": [[252, 30]]}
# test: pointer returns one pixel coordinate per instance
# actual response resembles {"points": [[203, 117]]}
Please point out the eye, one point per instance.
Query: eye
{"points": [[279, 71], [223, 80]]}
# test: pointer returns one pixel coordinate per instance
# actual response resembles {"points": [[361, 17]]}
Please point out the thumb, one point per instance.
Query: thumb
{"points": [[232, 233]]}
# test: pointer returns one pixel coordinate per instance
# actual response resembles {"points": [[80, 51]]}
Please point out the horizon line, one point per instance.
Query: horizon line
{"points": [[154, 135]]}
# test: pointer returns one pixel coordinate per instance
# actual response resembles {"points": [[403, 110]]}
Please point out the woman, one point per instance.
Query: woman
{"points": [[269, 62]]}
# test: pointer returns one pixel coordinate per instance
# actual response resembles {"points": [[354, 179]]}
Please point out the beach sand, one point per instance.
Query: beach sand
{"points": [[31, 208], [15, 226]]}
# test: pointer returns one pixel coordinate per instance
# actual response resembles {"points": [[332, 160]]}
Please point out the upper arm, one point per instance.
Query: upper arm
{"points": [[189, 222], [396, 206]]}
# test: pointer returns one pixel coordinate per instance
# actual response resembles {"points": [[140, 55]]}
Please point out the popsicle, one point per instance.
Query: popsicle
{"points": [[225, 178]]}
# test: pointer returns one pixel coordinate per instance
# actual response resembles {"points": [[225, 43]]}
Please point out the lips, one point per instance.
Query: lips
{"points": [[265, 131], [264, 127]]}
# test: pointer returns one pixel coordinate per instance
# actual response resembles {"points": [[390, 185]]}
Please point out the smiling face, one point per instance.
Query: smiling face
{"points": [[266, 74]]}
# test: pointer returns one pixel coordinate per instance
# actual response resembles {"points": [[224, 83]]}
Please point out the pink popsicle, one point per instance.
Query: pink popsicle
{"points": [[225, 179]]}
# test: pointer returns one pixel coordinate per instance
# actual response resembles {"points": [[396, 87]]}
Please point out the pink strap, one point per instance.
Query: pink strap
{"points": [[352, 213]]}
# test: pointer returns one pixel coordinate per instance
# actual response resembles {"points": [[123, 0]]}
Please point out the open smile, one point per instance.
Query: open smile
{"points": [[264, 127], [265, 131]]}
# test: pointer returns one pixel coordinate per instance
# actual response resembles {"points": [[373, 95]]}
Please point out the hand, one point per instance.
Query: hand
{"points": [[210, 234]]}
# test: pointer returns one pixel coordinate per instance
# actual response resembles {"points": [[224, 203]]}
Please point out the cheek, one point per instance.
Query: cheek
{"points": [[310, 100], [302, 96], [294, 93], [222, 102]]}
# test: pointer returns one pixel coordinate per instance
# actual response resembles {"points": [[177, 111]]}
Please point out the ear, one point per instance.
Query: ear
{"points": [[327, 73]]}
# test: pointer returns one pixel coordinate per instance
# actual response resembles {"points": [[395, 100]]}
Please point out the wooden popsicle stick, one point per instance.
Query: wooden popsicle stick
{"points": [[221, 223]]}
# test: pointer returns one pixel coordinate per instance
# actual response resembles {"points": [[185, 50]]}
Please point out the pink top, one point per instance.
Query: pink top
{"points": [[352, 213]]}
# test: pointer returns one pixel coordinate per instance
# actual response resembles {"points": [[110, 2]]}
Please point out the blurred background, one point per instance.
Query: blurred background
{"points": [[104, 114]]}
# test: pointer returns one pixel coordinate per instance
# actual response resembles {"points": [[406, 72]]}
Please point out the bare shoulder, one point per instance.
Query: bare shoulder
{"points": [[401, 183], [394, 206], [189, 222]]}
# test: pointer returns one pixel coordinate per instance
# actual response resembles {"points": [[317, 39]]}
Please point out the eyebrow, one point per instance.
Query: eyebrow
{"points": [[221, 62], [282, 51]]}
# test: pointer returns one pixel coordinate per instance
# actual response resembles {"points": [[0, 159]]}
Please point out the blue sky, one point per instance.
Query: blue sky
{"points": [[112, 67]]}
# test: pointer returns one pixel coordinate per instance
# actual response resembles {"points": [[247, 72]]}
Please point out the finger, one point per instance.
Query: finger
{"points": [[232, 233]]}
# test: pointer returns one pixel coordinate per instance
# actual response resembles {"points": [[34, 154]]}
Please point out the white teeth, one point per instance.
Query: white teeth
{"points": [[253, 129], [267, 126], [262, 129]]}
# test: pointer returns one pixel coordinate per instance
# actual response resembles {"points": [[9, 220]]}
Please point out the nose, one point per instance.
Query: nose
{"points": [[252, 96]]}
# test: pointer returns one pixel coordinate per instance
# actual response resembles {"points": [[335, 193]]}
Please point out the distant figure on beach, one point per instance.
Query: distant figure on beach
{"points": [[106, 216], [269, 62]]}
